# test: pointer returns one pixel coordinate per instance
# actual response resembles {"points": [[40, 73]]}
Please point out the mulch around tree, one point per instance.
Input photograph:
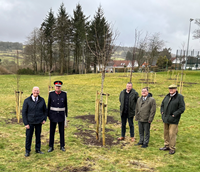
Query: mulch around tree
{"points": [[91, 119], [89, 138], [14, 121], [75, 169]]}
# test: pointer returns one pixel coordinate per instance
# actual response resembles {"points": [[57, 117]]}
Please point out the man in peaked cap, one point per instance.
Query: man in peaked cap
{"points": [[57, 109], [172, 107]]}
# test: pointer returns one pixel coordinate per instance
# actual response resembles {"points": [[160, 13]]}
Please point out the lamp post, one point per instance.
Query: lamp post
{"points": [[188, 43]]}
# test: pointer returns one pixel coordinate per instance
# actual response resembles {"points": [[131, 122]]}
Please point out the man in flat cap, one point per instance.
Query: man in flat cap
{"points": [[172, 107], [57, 110], [34, 115]]}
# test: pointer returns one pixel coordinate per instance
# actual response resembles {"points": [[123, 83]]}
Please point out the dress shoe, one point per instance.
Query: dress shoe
{"points": [[138, 144], [40, 152], [121, 138], [50, 149], [144, 146], [165, 148], [132, 139], [27, 154], [63, 149], [171, 151]]}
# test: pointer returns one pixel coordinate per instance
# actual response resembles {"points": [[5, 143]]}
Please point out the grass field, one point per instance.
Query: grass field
{"points": [[87, 157]]}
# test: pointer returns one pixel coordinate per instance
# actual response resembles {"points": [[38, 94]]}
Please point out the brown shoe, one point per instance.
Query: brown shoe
{"points": [[165, 148], [171, 151], [121, 138], [132, 139]]}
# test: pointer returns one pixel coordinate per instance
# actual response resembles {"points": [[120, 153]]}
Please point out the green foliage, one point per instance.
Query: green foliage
{"points": [[163, 62], [26, 71], [129, 56]]}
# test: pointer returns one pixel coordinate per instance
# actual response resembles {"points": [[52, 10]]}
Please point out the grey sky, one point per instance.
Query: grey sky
{"points": [[170, 18]]}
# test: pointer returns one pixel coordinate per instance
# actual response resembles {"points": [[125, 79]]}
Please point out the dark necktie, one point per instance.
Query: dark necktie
{"points": [[35, 100]]}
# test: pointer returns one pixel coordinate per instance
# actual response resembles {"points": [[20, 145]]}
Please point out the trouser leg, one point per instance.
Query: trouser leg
{"points": [[147, 132], [52, 133], [62, 133], [29, 135], [173, 130], [123, 127], [166, 135], [141, 132], [131, 126], [38, 129]]}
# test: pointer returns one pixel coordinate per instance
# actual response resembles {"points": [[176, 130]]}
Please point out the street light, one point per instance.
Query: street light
{"points": [[188, 43]]}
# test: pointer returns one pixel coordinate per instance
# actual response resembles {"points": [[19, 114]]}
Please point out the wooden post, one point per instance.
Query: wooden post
{"points": [[154, 78], [97, 119], [103, 125], [106, 108]]}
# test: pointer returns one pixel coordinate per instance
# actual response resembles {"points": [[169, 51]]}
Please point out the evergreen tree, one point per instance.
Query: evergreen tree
{"points": [[48, 27], [79, 22], [62, 36]]}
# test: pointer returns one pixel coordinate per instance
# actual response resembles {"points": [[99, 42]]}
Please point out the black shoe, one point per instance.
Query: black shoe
{"points": [[144, 146], [50, 149], [138, 144], [40, 152], [171, 151], [165, 148], [63, 149], [27, 154]]}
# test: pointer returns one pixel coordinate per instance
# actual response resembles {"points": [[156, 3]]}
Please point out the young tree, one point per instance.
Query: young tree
{"points": [[102, 49]]}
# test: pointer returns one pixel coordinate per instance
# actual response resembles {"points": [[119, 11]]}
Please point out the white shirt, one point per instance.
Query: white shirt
{"points": [[33, 98]]}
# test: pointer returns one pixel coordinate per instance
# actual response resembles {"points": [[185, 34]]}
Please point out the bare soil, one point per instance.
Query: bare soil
{"points": [[75, 169], [14, 121], [91, 119], [89, 138]]}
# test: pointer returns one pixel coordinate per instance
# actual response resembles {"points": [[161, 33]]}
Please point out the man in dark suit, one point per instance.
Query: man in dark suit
{"points": [[34, 115], [57, 109]]}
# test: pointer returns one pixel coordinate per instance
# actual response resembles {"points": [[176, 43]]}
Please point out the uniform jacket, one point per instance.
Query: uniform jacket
{"points": [[132, 102], [57, 101], [34, 113], [172, 106], [145, 110]]}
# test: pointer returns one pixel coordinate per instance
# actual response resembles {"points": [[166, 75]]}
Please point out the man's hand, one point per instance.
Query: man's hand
{"points": [[149, 122], [27, 126], [162, 113], [172, 115], [43, 122]]}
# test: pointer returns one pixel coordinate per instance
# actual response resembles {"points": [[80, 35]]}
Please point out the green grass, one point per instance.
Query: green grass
{"points": [[81, 96]]}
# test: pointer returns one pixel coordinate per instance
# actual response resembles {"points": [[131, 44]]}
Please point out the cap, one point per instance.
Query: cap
{"points": [[58, 83], [172, 86]]}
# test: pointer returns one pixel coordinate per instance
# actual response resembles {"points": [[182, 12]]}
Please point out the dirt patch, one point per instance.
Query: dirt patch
{"points": [[190, 83], [161, 95], [148, 82], [91, 119], [89, 138], [14, 121], [75, 169], [141, 165]]}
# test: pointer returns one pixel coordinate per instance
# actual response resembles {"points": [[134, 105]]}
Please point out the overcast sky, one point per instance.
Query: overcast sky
{"points": [[170, 18]]}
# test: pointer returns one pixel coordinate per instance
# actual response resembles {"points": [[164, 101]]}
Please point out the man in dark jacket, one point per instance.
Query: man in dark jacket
{"points": [[144, 114], [57, 109], [128, 98], [172, 107], [34, 115]]}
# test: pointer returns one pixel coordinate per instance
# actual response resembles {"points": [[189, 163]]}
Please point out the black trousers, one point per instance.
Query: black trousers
{"points": [[144, 127], [61, 126], [124, 118], [29, 135]]}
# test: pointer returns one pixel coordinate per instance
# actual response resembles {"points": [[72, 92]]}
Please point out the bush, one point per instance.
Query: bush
{"points": [[25, 71]]}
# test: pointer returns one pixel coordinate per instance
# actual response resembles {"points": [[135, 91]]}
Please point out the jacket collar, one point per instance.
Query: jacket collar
{"points": [[174, 95], [38, 97]]}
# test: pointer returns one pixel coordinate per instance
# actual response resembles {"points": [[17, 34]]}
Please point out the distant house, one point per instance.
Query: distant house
{"points": [[120, 64]]}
